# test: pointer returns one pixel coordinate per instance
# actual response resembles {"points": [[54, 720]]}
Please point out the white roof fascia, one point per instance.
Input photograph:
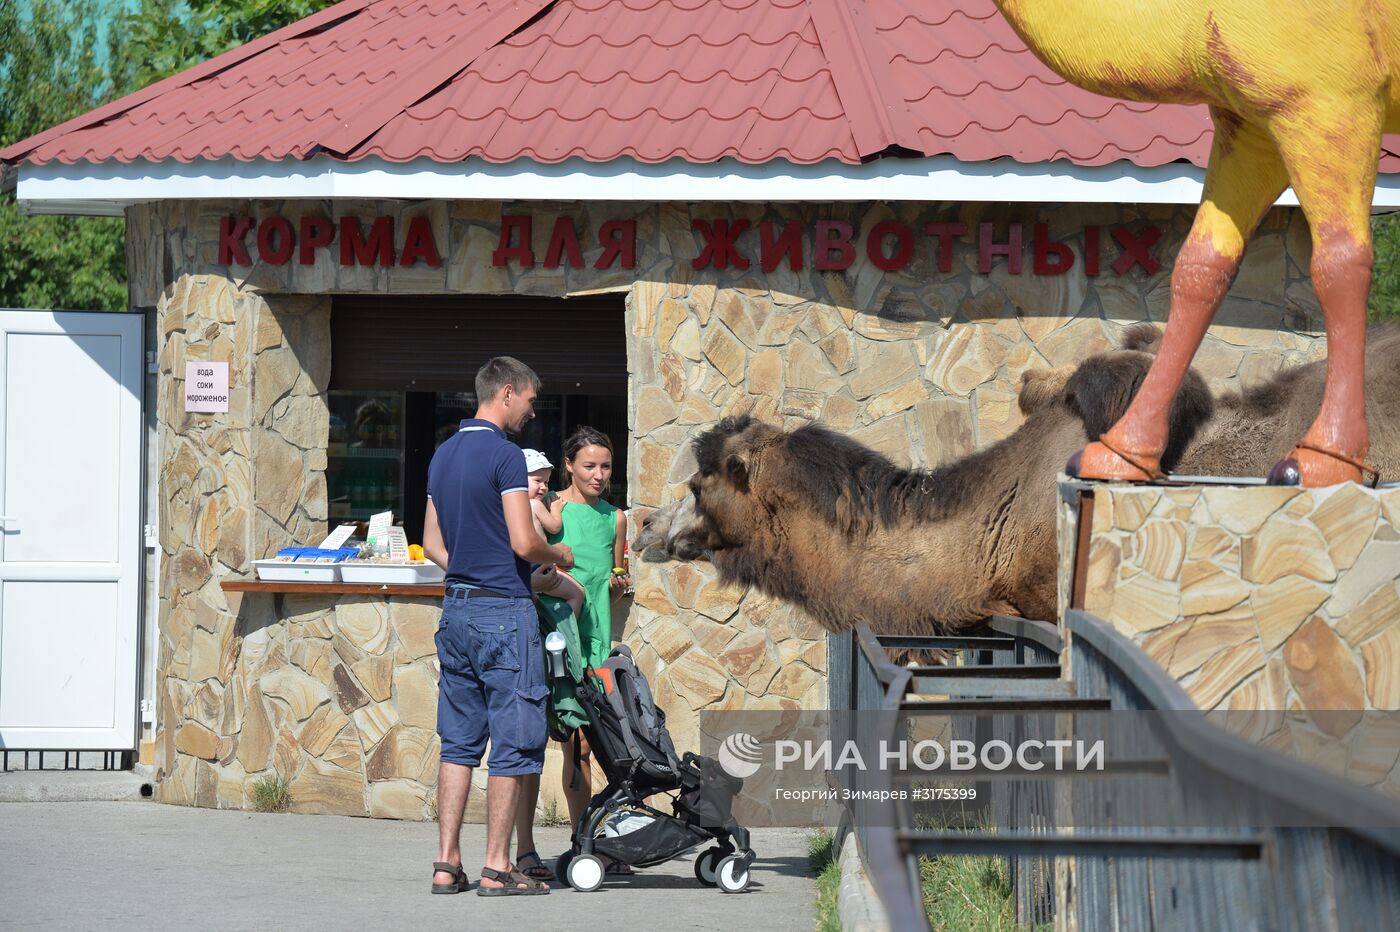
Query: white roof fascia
{"points": [[104, 189]]}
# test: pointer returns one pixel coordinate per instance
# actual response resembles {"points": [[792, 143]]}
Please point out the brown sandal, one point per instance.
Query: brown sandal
{"points": [[511, 881], [459, 884], [616, 868], [538, 870]]}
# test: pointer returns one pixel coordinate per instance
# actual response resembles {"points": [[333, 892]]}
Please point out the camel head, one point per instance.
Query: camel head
{"points": [[664, 534], [748, 471], [729, 456]]}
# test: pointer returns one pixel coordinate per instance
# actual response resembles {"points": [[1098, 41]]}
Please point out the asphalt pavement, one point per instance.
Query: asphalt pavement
{"points": [[143, 865]]}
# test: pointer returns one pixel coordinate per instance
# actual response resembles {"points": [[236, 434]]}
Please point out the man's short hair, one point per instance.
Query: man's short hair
{"points": [[500, 372]]}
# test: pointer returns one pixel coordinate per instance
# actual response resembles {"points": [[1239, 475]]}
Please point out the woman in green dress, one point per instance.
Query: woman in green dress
{"points": [[597, 532]]}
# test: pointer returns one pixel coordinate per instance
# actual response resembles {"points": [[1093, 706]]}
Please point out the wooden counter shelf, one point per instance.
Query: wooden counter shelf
{"points": [[427, 591]]}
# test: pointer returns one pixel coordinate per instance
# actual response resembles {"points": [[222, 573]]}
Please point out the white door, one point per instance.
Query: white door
{"points": [[70, 550]]}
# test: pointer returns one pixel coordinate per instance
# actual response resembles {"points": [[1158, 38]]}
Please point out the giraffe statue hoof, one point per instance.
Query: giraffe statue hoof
{"points": [[1313, 467], [1100, 461]]}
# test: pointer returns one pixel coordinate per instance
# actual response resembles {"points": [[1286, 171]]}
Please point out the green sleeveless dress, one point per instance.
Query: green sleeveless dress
{"points": [[590, 530]]}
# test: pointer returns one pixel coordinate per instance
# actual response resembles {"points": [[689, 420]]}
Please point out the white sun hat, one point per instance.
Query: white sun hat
{"points": [[534, 460]]}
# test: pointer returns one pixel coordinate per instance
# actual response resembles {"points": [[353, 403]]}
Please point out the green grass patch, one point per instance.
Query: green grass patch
{"points": [[961, 894], [272, 794], [967, 894], [551, 817], [822, 859]]}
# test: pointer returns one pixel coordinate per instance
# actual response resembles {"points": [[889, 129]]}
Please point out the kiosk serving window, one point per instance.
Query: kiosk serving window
{"points": [[402, 372], [365, 456]]}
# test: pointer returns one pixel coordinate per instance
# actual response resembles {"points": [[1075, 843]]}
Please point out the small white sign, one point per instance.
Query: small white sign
{"points": [[379, 528], [338, 537], [206, 386], [398, 545]]}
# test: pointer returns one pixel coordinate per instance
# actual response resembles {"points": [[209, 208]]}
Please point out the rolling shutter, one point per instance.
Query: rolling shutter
{"points": [[436, 343]]}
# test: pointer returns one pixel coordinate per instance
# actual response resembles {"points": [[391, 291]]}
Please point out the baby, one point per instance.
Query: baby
{"points": [[549, 579]]}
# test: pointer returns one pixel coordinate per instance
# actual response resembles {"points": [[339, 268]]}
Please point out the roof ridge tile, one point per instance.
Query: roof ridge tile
{"points": [[503, 19], [877, 122]]}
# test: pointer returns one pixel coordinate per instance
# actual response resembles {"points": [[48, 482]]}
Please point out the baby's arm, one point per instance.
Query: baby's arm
{"points": [[546, 518], [545, 522]]}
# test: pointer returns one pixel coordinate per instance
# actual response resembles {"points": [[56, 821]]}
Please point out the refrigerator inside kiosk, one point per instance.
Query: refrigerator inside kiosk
{"points": [[364, 457]]}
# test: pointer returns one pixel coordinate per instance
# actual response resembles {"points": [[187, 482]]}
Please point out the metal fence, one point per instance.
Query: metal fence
{"points": [[1236, 865], [11, 760]]}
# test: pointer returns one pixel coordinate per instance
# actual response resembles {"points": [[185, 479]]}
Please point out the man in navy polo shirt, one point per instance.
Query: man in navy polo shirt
{"points": [[478, 528]]}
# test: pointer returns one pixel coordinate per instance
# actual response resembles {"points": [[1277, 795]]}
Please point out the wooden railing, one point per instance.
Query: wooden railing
{"points": [[1211, 831]]}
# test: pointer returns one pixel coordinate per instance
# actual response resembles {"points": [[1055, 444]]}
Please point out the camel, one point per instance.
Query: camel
{"points": [[1298, 93], [813, 517]]}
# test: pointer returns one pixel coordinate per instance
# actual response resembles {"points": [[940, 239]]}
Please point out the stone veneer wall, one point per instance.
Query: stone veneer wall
{"points": [[336, 694], [921, 365], [1260, 599]]}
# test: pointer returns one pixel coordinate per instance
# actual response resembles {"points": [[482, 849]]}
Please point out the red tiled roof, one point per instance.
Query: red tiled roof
{"points": [[699, 80]]}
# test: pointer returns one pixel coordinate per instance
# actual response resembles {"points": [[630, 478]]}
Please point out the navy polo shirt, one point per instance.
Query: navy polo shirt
{"points": [[466, 479]]}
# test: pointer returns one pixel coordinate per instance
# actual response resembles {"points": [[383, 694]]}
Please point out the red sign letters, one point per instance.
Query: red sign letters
{"points": [[726, 244], [890, 245], [277, 241]]}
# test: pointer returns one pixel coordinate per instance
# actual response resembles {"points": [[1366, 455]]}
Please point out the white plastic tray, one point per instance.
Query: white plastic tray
{"points": [[281, 571], [392, 574]]}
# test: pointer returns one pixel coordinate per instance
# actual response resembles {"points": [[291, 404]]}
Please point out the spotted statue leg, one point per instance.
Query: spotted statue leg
{"points": [[1332, 162], [1245, 176]]}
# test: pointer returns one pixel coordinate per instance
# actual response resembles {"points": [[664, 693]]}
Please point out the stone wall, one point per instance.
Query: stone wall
{"points": [[233, 488], [336, 695], [920, 364], [1260, 599]]}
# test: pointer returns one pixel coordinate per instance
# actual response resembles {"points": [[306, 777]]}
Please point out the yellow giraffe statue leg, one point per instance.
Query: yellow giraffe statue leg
{"points": [[1245, 176], [1332, 159]]}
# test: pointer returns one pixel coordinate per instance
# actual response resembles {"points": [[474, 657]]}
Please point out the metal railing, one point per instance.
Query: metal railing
{"points": [[862, 677], [19, 760], [1238, 864]]}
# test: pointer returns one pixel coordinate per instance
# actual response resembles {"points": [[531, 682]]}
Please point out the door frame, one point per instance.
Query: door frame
{"points": [[130, 684]]}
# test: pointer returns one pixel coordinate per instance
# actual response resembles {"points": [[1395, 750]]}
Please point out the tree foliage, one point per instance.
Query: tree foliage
{"points": [[1385, 280], [49, 72], [166, 36], [55, 65]]}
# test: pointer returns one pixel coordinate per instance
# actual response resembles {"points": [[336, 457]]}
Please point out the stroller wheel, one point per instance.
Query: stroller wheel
{"points": [[705, 866], [732, 874], [584, 872], [561, 866]]}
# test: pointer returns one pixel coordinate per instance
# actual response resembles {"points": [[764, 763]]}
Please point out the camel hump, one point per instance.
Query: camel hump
{"points": [[1101, 389], [1144, 338], [1039, 387]]}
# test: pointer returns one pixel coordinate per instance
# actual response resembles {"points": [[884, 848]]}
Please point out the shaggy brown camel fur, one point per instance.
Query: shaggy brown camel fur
{"points": [[813, 517]]}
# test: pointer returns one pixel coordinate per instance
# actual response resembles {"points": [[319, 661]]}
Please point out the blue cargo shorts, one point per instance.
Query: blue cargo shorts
{"points": [[492, 684]]}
